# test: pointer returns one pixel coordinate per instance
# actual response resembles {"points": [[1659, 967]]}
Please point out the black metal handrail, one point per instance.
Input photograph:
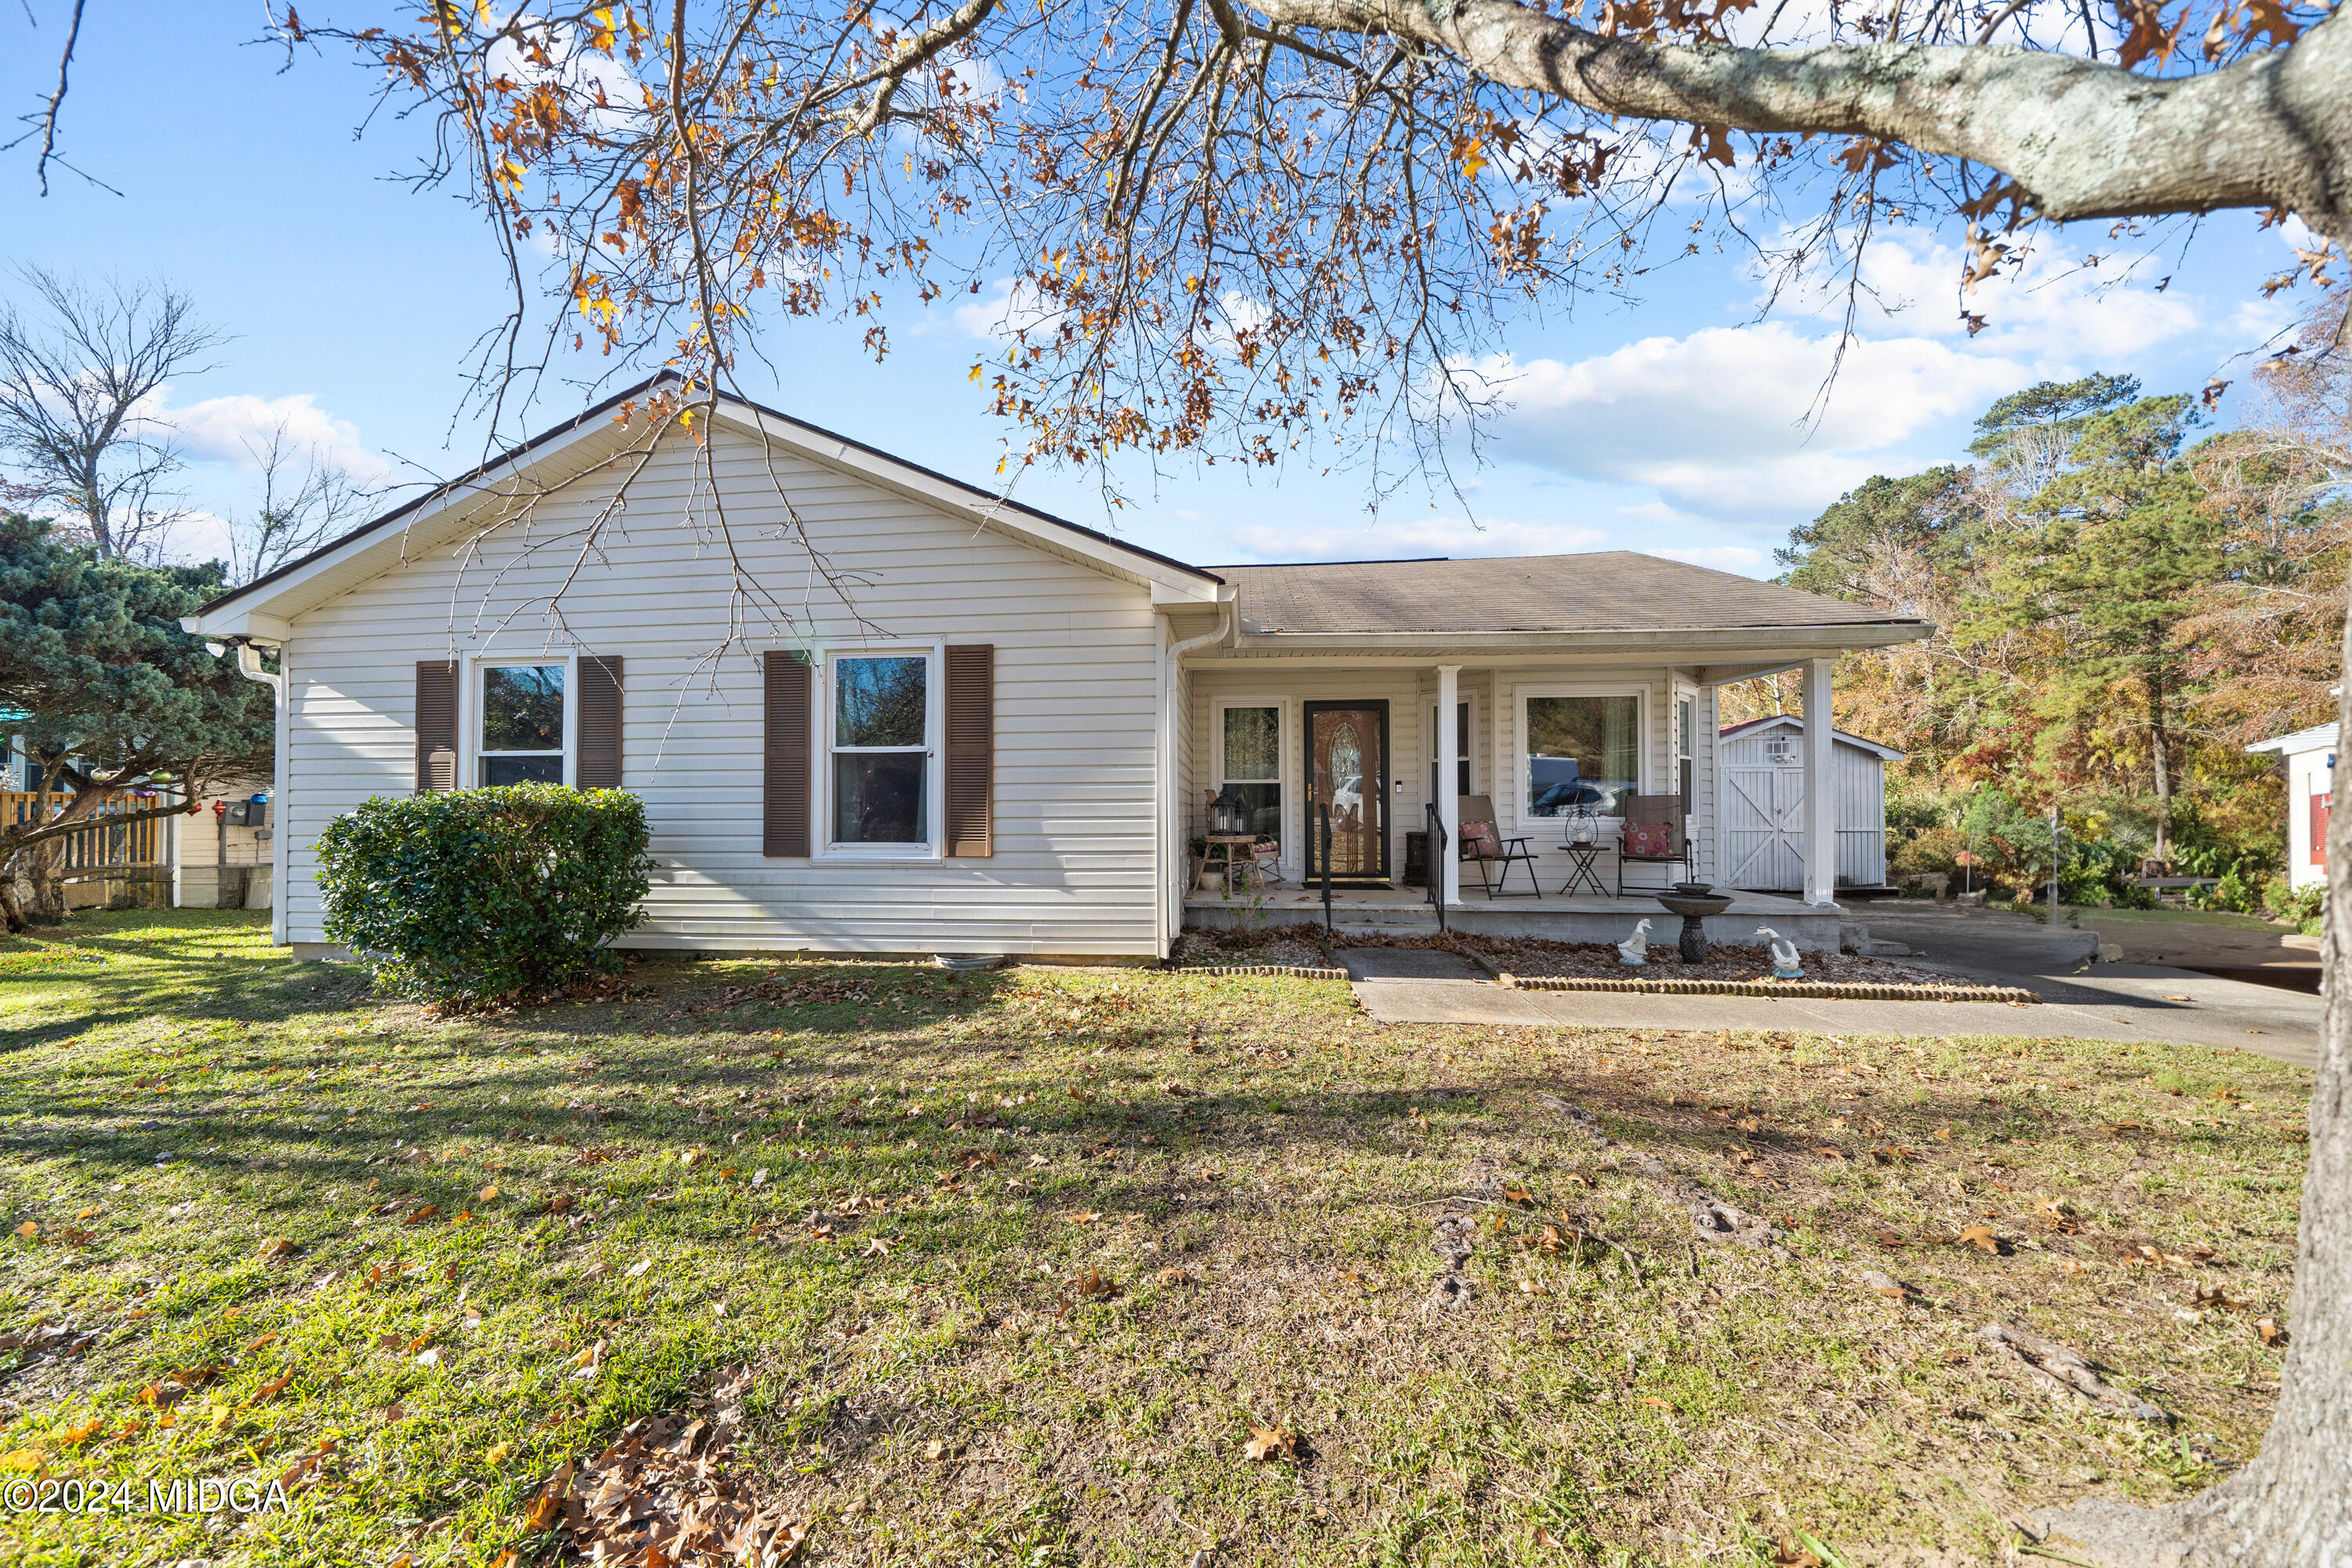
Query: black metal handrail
{"points": [[1439, 845], [1325, 809]]}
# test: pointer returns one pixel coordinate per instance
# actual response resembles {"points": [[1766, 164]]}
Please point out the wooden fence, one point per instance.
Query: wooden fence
{"points": [[130, 852]]}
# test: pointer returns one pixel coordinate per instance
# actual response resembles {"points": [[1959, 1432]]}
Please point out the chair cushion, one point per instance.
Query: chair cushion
{"points": [[1649, 841], [1478, 840]]}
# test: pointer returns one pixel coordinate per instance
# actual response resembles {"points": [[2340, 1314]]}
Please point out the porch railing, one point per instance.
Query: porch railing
{"points": [[1440, 847]]}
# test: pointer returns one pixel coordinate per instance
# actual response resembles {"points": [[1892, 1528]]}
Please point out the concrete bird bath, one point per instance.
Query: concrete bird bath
{"points": [[1694, 901]]}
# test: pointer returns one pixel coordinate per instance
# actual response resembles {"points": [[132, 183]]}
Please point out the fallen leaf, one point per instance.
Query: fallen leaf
{"points": [[1519, 1194], [1087, 1218], [489, 1193], [2268, 1328], [421, 1215], [1982, 1238], [276, 1246], [269, 1388], [1174, 1277], [639, 1267], [1270, 1443], [1943, 1133], [28, 1230], [1093, 1283], [876, 1246], [1889, 1239], [498, 1454]]}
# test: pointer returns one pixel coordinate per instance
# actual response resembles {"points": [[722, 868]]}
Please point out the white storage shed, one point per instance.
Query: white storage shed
{"points": [[1762, 788]]}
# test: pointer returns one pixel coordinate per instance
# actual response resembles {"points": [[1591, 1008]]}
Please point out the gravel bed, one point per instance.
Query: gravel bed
{"points": [[1300, 945]]}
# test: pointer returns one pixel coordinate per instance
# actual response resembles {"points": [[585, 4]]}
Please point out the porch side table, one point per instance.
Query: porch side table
{"points": [[1581, 860], [1234, 843]]}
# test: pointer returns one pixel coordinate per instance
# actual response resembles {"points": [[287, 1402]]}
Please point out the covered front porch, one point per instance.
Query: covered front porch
{"points": [[1579, 917]]}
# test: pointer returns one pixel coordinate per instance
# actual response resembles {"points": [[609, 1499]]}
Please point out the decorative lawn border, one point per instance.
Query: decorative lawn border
{"points": [[1847, 990], [1293, 971]]}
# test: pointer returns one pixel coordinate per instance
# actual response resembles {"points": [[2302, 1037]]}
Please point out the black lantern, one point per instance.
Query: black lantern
{"points": [[1229, 814]]}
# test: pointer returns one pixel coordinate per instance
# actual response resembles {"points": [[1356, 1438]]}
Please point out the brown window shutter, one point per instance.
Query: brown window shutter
{"points": [[972, 749], [785, 811], [436, 725], [600, 721]]}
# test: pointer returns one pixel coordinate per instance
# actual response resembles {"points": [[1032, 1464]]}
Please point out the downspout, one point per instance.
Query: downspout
{"points": [[1172, 890]]}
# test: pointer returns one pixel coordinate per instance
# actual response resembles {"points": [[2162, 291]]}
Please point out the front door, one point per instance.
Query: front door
{"points": [[1347, 772]]}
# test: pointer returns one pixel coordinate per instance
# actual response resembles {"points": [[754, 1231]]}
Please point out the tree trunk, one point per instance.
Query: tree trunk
{"points": [[2160, 746], [2292, 1506]]}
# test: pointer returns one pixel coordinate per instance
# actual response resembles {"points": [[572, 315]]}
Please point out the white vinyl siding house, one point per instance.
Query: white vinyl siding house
{"points": [[1074, 862], [974, 728]]}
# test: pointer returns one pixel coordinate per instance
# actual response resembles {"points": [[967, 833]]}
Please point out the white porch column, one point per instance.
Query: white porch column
{"points": [[1448, 870], [1821, 791]]}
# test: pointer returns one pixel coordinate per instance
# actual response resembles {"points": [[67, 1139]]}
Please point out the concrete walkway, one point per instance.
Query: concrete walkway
{"points": [[2137, 1003]]}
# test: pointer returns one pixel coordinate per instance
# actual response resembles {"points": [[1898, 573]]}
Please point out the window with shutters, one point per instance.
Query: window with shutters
{"points": [[519, 723], [881, 761]]}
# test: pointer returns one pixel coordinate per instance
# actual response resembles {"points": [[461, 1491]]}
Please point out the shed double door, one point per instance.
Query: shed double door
{"points": [[1764, 827], [1347, 772]]}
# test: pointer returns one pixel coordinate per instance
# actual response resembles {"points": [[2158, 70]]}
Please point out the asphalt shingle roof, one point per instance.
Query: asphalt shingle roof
{"points": [[1609, 590]]}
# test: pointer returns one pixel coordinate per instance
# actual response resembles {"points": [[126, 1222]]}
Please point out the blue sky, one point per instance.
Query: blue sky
{"points": [[1669, 427]]}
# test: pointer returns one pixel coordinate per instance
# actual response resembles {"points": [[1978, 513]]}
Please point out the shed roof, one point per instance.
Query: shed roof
{"points": [[2318, 738], [1606, 590], [1797, 721]]}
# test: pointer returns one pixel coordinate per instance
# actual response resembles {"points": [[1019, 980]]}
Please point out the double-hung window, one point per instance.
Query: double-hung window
{"points": [[520, 717], [880, 746], [1253, 764]]}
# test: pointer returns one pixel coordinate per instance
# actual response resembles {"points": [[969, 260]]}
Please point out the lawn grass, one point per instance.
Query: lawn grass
{"points": [[1019, 1262]]}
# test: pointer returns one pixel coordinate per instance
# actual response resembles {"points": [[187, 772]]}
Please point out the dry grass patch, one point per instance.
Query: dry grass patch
{"points": [[1078, 1267]]}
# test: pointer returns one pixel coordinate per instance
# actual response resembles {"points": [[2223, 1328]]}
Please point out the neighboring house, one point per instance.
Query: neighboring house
{"points": [[2309, 757], [997, 735], [222, 852], [1764, 805]]}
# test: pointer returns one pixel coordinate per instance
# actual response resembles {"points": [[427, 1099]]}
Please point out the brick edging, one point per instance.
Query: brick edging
{"points": [[1849, 990], [1291, 970]]}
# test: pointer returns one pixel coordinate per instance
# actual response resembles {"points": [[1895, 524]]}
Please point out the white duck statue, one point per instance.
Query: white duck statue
{"points": [[1785, 965], [1635, 949]]}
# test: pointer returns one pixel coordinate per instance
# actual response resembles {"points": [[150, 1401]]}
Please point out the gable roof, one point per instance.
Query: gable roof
{"points": [[1607, 590], [595, 433], [1797, 721]]}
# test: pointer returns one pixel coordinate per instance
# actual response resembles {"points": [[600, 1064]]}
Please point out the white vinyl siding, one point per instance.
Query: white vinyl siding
{"points": [[1076, 721]]}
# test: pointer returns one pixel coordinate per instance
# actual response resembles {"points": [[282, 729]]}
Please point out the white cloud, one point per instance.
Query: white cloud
{"points": [[1006, 311], [1391, 539], [2053, 308], [1731, 422], [1722, 557], [237, 428], [1711, 421]]}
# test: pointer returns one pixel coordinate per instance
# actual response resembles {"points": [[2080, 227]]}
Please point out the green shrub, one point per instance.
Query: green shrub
{"points": [[484, 895], [2296, 907]]}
